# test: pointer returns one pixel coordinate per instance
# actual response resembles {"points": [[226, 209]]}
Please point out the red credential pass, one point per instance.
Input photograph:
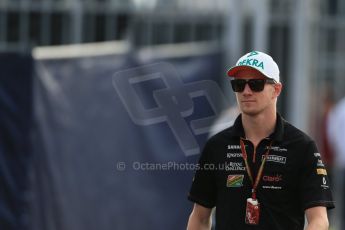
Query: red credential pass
{"points": [[252, 212]]}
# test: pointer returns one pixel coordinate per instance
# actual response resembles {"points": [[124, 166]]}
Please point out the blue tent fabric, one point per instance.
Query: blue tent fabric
{"points": [[15, 143], [94, 156]]}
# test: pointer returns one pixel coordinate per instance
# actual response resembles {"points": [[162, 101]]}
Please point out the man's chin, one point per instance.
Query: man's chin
{"points": [[251, 113]]}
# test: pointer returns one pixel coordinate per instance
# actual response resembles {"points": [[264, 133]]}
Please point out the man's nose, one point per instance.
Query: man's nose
{"points": [[247, 89]]}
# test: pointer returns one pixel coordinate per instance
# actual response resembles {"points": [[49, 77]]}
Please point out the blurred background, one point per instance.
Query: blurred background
{"points": [[105, 105]]}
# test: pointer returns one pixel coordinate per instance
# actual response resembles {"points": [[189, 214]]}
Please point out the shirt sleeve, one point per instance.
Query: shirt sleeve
{"points": [[203, 189], [314, 182]]}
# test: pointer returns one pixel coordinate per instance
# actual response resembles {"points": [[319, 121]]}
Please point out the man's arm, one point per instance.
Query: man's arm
{"points": [[200, 218], [317, 218]]}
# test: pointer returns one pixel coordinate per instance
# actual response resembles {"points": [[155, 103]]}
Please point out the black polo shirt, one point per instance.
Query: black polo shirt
{"points": [[294, 178]]}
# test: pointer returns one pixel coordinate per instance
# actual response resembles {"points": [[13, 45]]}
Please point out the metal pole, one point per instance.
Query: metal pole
{"points": [[261, 17], [46, 23], [76, 21], [3, 24], [299, 74], [24, 26], [233, 39]]}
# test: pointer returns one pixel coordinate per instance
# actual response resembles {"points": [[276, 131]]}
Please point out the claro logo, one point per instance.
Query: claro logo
{"points": [[275, 178]]}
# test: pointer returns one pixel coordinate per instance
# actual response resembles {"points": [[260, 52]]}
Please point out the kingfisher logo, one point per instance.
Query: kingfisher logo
{"points": [[233, 155]]}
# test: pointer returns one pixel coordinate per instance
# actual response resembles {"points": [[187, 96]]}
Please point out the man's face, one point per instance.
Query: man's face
{"points": [[253, 103]]}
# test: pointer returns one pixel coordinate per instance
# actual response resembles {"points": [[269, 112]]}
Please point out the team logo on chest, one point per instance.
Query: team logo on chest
{"points": [[237, 147], [278, 149], [275, 158], [234, 166], [234, 181], [233, 155]]}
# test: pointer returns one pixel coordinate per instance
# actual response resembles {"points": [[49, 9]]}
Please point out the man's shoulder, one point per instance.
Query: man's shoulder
{"points": [[229, 132], [292, 133], [224, 135]]}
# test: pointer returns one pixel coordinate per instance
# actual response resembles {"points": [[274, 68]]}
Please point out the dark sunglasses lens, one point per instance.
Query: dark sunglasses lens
{"points": [[256, 85], [238, 85]]}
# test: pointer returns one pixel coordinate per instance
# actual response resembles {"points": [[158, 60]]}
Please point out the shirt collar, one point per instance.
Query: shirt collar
{"points": [[277, 135]]}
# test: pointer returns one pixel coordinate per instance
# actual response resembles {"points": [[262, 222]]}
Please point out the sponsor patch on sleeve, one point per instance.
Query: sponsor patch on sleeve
{"points": [[321, 171]]}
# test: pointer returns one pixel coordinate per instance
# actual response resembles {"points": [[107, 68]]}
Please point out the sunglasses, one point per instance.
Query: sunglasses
{"points": [[256, 85]]}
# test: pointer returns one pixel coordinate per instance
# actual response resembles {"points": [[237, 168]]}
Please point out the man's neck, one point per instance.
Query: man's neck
{"points": [[259, 126]]}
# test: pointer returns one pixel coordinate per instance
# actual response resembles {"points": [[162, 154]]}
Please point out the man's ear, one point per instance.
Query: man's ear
{"points": [[277, 89]]}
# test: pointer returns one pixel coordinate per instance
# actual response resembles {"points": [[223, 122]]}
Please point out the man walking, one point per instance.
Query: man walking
{"points": [[261, 173]]}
